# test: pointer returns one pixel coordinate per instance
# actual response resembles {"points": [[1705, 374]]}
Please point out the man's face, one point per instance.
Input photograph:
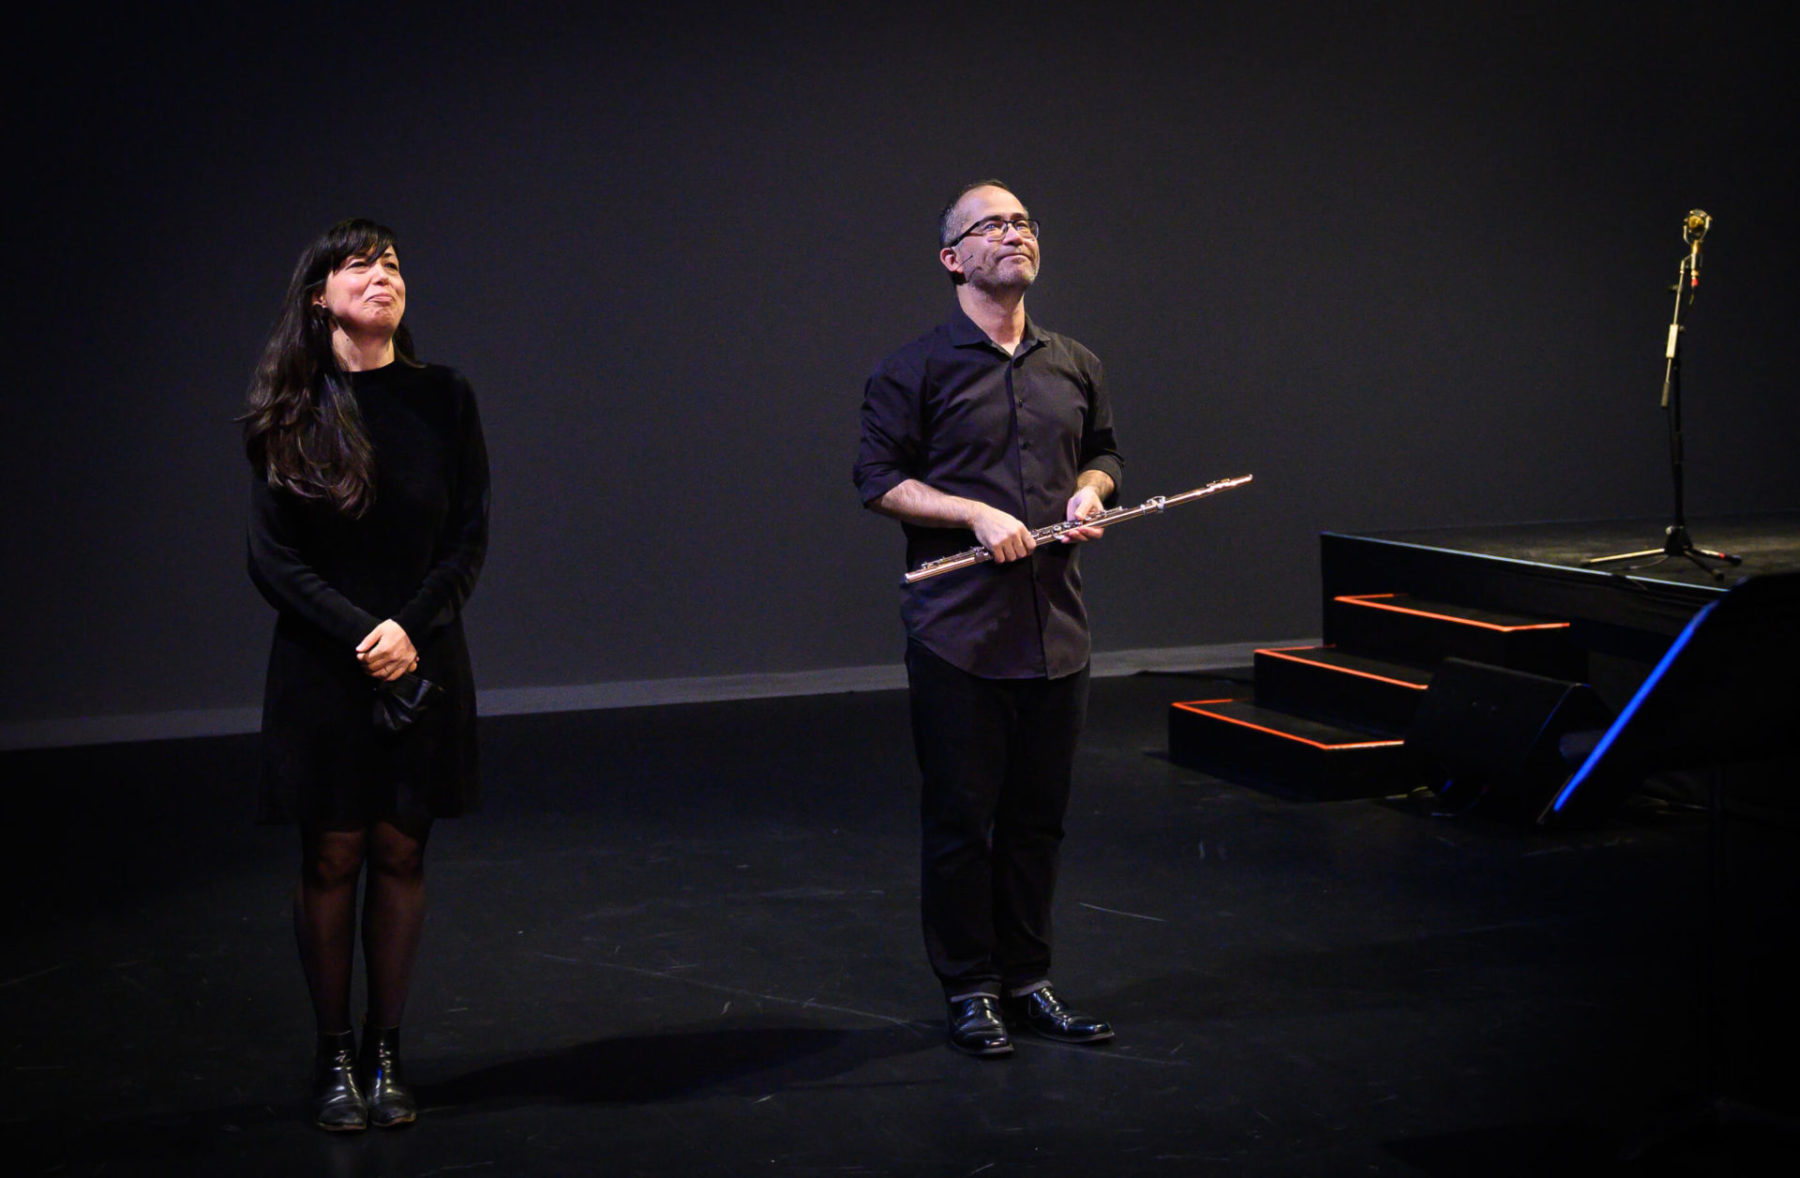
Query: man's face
{"points": [[1006, 260]]}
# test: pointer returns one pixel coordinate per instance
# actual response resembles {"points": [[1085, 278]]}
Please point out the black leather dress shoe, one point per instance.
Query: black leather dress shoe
{"points": [[976, 1027], [391, 1102], [337, 1101], [1043, 1013]]}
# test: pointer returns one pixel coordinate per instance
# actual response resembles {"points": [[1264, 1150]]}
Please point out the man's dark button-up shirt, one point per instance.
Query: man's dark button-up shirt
{"points": [[954, 411]]}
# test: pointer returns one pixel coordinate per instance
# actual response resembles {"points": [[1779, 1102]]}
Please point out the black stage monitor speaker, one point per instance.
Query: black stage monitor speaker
{"points": [[1493, 734]]}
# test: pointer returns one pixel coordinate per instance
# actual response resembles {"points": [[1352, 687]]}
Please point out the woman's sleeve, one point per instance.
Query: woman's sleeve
{"points": [[281, 572], [463, 545]]}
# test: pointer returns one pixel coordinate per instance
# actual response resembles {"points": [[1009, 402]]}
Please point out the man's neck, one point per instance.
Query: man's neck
{"points": [[999, 313]]}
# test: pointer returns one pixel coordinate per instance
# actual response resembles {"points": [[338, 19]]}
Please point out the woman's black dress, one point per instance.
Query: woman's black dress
{"points": [[413, 557]]}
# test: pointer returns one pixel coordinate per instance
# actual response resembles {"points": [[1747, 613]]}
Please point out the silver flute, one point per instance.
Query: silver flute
{"points": [[1106, 519]]}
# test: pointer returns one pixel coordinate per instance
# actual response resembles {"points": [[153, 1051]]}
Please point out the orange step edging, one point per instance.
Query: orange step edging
{"points": [[1285, 652], [1373, 601], [1196, 707]]}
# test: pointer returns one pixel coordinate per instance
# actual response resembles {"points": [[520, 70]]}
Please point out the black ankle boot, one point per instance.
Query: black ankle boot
{"points": [[391, 1102], [337, 1102]]}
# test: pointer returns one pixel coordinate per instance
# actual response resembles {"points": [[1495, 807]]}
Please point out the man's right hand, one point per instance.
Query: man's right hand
{"points": [[1002, 535]]}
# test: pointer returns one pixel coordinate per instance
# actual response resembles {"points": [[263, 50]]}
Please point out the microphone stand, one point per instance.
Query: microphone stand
{"points": [[1676, 542]]}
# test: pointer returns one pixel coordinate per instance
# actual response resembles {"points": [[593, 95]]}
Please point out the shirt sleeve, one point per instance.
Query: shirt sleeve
{"points": [[1099, 445], [282, 574], [892, 437], [462, 548]]}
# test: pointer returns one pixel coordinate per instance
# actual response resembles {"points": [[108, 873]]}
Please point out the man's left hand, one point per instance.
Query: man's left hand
{"points": [[1084, 504]]}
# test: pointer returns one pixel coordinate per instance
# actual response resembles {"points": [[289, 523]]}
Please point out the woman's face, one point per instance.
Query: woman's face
{"points": [[366, 296]]}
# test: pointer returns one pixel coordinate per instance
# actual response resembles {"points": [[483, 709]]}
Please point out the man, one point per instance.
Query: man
{"points": [[981, 431]]}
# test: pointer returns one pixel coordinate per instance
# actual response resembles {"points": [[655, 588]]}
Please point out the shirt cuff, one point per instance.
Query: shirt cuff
{"points": [[876, 485]]}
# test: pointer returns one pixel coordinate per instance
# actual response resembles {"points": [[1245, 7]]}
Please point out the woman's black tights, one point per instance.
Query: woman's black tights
{"points": [[393, 917]]}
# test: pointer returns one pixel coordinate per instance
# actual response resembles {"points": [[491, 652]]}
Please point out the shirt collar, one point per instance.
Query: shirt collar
{"points": [[964, 333]]}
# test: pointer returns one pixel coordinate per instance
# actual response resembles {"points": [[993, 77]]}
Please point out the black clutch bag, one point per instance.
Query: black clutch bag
{"points": [[398, 702]]}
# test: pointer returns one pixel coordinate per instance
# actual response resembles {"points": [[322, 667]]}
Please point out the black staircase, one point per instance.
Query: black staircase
{"points": [[1330, 721]]}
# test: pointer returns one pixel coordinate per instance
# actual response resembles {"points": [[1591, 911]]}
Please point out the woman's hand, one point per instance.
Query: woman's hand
{"points": [[387, 653]]}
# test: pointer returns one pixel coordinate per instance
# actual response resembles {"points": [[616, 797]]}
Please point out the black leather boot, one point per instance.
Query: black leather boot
{"points": [[337, 1102], [391, 1102]]}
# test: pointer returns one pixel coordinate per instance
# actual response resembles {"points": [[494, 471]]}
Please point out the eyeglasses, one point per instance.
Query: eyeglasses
{"points": [[994, 229]]}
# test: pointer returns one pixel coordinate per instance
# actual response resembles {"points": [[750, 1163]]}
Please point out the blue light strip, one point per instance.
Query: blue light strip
{"points": [[1631, 709]]}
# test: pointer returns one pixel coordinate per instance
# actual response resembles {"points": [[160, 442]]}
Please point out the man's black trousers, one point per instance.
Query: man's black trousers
{"points": [[997, 756]]}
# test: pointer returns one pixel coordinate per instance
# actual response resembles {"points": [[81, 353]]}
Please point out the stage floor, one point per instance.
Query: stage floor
{"points": [[1768, 543], [1536, 569], [683, 940]]}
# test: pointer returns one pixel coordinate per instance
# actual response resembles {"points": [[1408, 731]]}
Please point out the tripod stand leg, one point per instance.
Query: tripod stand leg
{"points": [[1592, 560]]}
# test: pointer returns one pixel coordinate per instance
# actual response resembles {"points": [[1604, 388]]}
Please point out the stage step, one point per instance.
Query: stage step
{"points": [[1413, 630], [1248, 742], [1341, 685]]}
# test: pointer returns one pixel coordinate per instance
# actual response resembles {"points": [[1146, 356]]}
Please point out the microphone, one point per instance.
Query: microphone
{"points": [[1693, 231]]}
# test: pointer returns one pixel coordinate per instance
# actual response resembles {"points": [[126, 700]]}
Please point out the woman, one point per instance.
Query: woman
{"points": [[368, 525]]}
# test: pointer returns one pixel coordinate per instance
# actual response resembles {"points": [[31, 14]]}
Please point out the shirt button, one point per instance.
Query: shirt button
{"points": [[1025, 445]]}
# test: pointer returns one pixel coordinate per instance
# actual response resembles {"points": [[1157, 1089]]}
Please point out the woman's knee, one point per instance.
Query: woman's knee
{"points": [[332, 858], [397, 852]]}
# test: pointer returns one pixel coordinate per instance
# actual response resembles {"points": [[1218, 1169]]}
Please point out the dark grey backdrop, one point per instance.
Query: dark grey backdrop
{"points": [[1406, 262]]}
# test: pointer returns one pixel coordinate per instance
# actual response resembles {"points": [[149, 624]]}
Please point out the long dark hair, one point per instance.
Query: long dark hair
{"points": [[302, 430]]}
